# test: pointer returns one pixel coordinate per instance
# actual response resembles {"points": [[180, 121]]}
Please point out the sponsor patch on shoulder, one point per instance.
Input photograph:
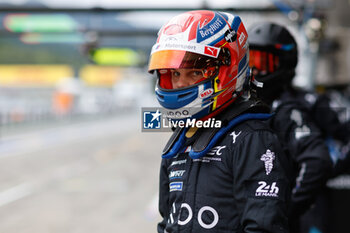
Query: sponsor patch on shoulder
{"points": [[175, 186], [267, 189], [268, 158]]}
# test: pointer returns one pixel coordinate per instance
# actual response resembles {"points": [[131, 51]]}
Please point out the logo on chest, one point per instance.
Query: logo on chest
{"points": [[176, 174], [175, 186], [216, 150]]}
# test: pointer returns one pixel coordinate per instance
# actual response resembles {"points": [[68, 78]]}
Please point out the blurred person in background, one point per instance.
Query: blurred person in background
{"points": [[330, 211], [232, 178], [330, 112], [273, 58]]}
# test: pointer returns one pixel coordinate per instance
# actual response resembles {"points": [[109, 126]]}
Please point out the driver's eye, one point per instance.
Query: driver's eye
{"points": [[197, 73], [176, 74]]}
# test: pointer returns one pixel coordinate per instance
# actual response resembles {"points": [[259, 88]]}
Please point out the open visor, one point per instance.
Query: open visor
{"points": [[181, 56]]}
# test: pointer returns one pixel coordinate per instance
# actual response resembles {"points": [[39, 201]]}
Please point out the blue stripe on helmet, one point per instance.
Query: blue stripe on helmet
{"points": [[236, 22], [216, 41], [176, 99], [242, 63]]}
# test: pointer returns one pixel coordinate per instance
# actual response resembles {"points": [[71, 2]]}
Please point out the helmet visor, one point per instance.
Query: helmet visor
{"points": [[263, 62], [195, 56]]}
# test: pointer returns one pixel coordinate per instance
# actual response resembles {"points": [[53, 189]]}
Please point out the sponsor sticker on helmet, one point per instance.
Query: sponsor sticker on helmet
{"points": [[210, 29], [230, 35], [206, 93], [241, 38], [211, 51], [202, 49]]}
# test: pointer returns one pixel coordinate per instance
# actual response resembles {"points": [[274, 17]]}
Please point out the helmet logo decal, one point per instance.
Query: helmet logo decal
{"points": [[170, 38], [241, 38], [207, 50], [230, 35], [206, 31], [211, 51], [206, 93]]}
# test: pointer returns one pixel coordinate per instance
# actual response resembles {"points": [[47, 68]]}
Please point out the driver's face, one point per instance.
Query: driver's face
{"points": [[185, 77]]}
